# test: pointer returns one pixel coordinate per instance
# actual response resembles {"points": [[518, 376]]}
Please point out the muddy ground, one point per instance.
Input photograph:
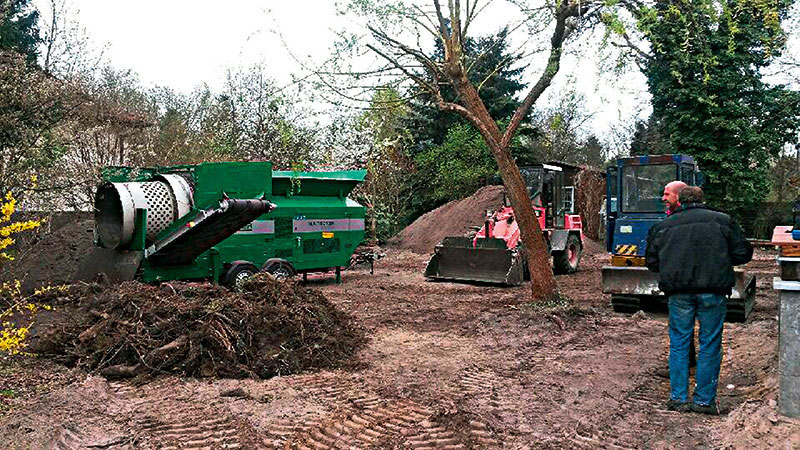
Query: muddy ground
{"points": [[447, 366]]}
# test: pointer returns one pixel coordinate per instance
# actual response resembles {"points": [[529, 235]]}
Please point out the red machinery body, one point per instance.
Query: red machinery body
{"points": [[503, 225]]}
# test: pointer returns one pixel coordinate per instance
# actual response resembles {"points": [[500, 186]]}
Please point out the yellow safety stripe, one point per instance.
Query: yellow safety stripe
{"points": [[626, 249]]}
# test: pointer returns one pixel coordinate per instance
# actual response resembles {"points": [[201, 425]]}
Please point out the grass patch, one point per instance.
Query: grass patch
{"points": [[8, 393], [559, 302]]}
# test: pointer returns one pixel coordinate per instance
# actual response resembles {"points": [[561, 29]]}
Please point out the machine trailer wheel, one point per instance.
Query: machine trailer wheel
{"points": [[279, 269], [568, 260], [237, 273]]}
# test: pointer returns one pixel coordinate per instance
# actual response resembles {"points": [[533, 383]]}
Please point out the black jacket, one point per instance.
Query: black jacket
{"points": [[694, 251]]}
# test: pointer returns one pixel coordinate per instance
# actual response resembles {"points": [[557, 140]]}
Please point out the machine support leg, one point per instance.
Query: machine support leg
{"points": [[305, 277], [213, 257], [140, 229], [338, 275]]}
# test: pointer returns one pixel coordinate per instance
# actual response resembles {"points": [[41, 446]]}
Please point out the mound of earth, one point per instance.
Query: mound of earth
{"points": [[452, 219], [52, 260], [269, 328]]}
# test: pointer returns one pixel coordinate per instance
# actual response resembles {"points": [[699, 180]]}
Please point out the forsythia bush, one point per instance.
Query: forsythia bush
{"points": [[23, 312], [7, 208]]}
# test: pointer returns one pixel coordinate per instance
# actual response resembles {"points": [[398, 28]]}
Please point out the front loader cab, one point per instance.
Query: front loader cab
{"points": [[634, 189], [494, 253], [545, 185]]}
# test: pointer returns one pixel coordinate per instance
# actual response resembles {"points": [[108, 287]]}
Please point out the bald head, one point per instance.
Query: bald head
{"points": [[671, 192]]}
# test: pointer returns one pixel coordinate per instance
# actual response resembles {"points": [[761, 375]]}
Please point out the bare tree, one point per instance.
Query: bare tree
{"points": [[395, 31]]}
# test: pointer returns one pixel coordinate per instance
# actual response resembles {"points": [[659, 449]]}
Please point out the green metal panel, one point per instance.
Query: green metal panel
{"points": [[316, 184], [201, 269], [253, 179], [309, 232]]}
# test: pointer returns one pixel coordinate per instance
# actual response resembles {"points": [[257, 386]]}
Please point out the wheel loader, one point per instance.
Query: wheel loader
{"points": [[495, 253], [634, 188]]}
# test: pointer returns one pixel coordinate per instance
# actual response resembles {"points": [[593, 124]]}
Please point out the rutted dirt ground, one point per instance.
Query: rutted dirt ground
{"points": [[447, 366]]}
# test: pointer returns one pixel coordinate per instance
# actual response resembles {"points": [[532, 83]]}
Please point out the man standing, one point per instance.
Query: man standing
{"points": [[694, 250], [671, 203]]}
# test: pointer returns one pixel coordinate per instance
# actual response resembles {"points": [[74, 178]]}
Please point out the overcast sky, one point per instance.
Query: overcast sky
{"points": [[185, 43]]}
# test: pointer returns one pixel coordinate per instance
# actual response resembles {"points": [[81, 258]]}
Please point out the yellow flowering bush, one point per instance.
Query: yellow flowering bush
{"points": [[17, 317], [9, 228]]}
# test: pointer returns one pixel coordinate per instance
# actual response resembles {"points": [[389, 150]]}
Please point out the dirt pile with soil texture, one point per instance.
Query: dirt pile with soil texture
{"points": [[457, 219], [452, 219], [53, 258], [269, 328]]}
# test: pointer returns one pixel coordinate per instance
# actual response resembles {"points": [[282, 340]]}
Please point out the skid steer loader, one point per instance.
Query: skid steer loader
{"points": [[634, 188], [495, 253]]}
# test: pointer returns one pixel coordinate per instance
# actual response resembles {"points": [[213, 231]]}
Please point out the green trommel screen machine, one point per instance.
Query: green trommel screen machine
{"points": [[222, 222]]}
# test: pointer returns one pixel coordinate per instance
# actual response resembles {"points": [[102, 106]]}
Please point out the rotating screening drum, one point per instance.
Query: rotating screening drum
{"points": [[166, 198]]}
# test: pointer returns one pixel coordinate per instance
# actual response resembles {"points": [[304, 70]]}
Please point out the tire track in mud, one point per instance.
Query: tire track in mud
{"points": [[171, 422], [360, 419], [641, 415], [68, 439], [484, 385]]}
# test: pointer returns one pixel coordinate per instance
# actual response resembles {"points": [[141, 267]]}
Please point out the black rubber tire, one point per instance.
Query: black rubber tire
{"points": [[237, 273], [569, 259], [281, 270]]}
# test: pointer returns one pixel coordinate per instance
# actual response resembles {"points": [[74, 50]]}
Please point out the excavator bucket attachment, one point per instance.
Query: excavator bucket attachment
{"points": [[631, 286], [456, 259]]}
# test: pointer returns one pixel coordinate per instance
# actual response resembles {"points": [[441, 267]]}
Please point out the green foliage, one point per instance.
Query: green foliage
{"points": [[31, 106], [555, 135], [648, 139], [454, 169], [709, 99], [19, 28], [385, 191]]}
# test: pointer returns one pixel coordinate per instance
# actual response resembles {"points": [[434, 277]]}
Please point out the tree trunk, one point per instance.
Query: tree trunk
{"points": [[543, 285]]}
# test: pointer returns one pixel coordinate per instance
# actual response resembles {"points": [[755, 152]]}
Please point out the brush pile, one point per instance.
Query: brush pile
{"points": [[269, 328]]}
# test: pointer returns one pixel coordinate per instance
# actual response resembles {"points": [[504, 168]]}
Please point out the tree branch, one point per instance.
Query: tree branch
{"points": [[409, 74], [417, 54], [565, 11]]}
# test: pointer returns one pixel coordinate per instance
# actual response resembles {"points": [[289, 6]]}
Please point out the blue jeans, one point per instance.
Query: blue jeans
{"points": [[709, 310]]}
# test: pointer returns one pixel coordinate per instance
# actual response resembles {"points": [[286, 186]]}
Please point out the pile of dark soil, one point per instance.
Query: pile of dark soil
{"points": [[269, 328], [52, 259], [452, 219]]}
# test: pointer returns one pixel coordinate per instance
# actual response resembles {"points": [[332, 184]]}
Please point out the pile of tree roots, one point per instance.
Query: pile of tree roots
{"points": [[268, 328]]}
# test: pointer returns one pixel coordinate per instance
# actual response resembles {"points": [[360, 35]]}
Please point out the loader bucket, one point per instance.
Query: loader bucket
{"points": [[630, 281], [630, 287], [491, 261]]}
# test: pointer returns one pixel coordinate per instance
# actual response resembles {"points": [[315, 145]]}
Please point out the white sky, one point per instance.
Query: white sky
{"points": [[183, 44]]}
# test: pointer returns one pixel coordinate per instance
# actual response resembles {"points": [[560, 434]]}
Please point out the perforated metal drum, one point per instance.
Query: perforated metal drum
{"points": [[166, 198]]}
